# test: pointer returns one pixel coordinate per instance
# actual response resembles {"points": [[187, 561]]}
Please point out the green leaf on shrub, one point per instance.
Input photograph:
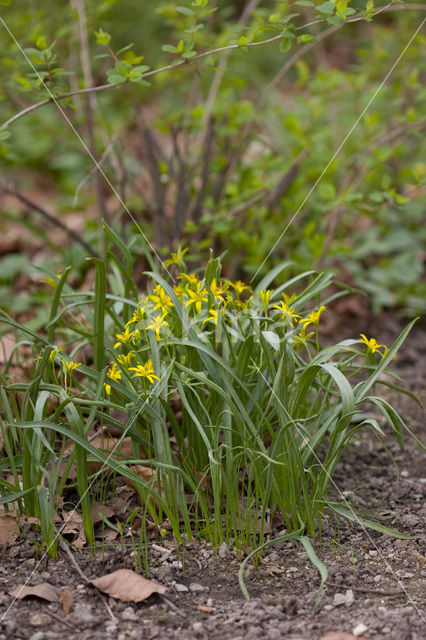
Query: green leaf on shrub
{"points": [[102, 37], [306, 37], [327, 8], [169, 48], [185, 11], [41, 43], [285, 45], [327, 191]]}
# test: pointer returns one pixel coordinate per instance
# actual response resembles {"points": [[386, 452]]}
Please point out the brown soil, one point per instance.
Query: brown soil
{"points": [[382, 579]]}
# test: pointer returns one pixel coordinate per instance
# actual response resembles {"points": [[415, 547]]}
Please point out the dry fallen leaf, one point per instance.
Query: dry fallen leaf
{"points": [[66, 600], [127, 586], [44, 590], [338, 635], [120, 449], [73, 525], [149, 475], [8, 530], [97, 509]]}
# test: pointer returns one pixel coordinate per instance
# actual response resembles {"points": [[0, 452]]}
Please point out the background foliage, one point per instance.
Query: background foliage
{"points": [[224, 160]]}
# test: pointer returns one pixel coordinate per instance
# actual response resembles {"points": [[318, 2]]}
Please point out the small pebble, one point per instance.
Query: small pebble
{"points": [[341, 598], [359, 629], [196, 588], [40, 620], [129, 614], [181, 588], [197, 627]]}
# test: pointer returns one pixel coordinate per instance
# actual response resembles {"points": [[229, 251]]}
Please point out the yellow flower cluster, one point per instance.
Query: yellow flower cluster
{"points": [[373, 346]]}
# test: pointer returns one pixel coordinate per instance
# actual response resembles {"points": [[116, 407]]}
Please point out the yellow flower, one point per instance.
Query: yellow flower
{"points": [[136, 334], [51, 281], [123, 338], [115, 374], [54, 353], [214, 315], [264, 298], [218, 290], [372, 345], [239, 287], [137, 316], [177, 258], [243, 304], [289, 299], [197, 297], [145, 371], [125, 360], [157, 324], [287, 312], [161, 299], [179, 290], [313, 318], [70, 366], [191, 279]]}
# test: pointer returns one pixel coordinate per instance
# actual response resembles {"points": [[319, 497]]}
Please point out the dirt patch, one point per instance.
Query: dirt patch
{"points": [[376, 587]]}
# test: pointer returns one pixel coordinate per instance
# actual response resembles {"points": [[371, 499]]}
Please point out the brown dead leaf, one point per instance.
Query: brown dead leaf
{"points": [[8, 530], [7, 345], [128, 586], [44, 590], [122, 449], [66, 600], [338, 635], [147, 474], [110, 535], [99, 509], [73, 526]]}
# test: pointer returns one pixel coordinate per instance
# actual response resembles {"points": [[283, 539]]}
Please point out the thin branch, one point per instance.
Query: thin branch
{"points": [[94, 169], [85, 579], [218, 77], [380, 592], [176, 64], [36, 207], [102, 212]]}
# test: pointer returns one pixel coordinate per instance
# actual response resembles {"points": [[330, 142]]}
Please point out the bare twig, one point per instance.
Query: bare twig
{"points": [[158, 188], [172, 606], [102, 211], [286, 181], [94, 169], [175, 65], [65, 549], [379, 592], [36, 207], [218, 76], [61, 619], [208, 140], [182, 197]]}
